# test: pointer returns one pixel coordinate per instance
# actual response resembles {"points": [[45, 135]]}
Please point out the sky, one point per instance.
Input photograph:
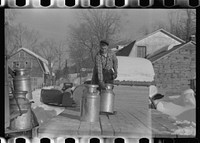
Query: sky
{"points": [[54, 22]]}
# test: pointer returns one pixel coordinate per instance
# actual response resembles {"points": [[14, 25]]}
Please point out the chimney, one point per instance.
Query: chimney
{"points": [[193, 38]]}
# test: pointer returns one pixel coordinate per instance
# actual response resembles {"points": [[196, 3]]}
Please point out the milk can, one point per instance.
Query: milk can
{"points": [[107, 99], [22, 72], [22, 82], [90, 104], [22, 107]]}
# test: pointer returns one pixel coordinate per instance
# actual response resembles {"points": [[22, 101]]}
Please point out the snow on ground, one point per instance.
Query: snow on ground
{"points": [[42, 111], [185, 128], [134, 69]]}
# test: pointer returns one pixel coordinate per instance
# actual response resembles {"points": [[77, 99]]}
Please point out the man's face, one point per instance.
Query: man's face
{"points": [[103, 48]]}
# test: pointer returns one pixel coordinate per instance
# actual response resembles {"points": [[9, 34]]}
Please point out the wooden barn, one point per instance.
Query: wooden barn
{"points": [[39, 71], [149, 44], [174, 67]]}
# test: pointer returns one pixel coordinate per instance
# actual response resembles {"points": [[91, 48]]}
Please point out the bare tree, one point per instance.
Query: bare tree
{"points": [[47, 49], [181, 23], [95, 26], [21, 36], [17, 34], [61, 52]]}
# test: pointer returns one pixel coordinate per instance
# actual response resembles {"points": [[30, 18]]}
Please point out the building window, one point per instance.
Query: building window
{"points": [[141, 51], [15, 64]]}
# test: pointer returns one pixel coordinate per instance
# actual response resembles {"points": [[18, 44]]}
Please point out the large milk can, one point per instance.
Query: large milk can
{"points": [[22, 72], [90, 104], [22, 82], [21, 106], [107, 99]]}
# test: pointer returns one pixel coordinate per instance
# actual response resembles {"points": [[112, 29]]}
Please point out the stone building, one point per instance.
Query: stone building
{"points": [[174, 67]]}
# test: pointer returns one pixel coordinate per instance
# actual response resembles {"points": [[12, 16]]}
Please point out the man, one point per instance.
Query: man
{"points": [[106, 64]]}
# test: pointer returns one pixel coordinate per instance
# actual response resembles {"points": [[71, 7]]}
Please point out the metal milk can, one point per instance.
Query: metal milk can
{"points": [[21, 107], [22, 72], [22, 82], [107, 99], [90, 104]]}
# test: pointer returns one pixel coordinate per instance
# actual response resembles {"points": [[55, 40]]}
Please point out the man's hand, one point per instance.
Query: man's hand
{"points": [[102, 85], [115, 75]]}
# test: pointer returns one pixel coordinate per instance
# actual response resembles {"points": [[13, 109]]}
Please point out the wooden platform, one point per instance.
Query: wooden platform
{"points": [[134, 119], [131, 120]]}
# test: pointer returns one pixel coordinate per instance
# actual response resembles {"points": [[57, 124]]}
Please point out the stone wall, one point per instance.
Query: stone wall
{"points": [[174, 70]]}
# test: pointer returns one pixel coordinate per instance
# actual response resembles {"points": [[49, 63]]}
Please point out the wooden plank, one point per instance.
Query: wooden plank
{"points": [[119, 122], [138, 126], [66, 123], [165, 121], [127, 128], [60, 128], [115, 124], [95, 129], [106, 126], [143, 118], [84, 128]]}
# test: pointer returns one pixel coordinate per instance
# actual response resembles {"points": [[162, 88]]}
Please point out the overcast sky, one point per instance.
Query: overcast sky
{"points": [[54, 22]]}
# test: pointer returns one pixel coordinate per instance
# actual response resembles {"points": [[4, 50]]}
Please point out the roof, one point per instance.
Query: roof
{"points": [[157, 56], [43, 62], [44, 66], [34, 54], [126, 50], [165, 32]]}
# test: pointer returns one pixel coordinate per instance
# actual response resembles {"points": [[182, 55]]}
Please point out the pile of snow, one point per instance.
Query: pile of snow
{"points": [[135, 69], [185, 128]]}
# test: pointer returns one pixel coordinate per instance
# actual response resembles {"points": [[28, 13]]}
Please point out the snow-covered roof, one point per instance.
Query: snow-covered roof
{"points": [[166, 33], [34, 54], [135, 69], [44, 62]]}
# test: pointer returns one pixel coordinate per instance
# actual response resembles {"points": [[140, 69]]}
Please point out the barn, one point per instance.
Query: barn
{"points": [[25, 58]]}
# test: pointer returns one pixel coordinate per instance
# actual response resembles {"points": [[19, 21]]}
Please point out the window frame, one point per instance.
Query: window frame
{"points": [[143, 53]]}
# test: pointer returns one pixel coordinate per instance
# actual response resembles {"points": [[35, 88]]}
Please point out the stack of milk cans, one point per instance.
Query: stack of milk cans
{"points": [[20, 106]]}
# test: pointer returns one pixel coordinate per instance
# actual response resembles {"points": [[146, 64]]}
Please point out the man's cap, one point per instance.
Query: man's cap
{"points": [[104, 42]]}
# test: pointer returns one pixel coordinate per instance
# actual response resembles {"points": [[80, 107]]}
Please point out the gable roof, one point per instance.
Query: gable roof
{"points": [[125, 51], [157, 56], [43, 62], [34, 54], [166, 33]]}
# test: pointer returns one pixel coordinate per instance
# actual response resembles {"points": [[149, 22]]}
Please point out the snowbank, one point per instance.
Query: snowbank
{"points": [[185, 128], [135, 69]]}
